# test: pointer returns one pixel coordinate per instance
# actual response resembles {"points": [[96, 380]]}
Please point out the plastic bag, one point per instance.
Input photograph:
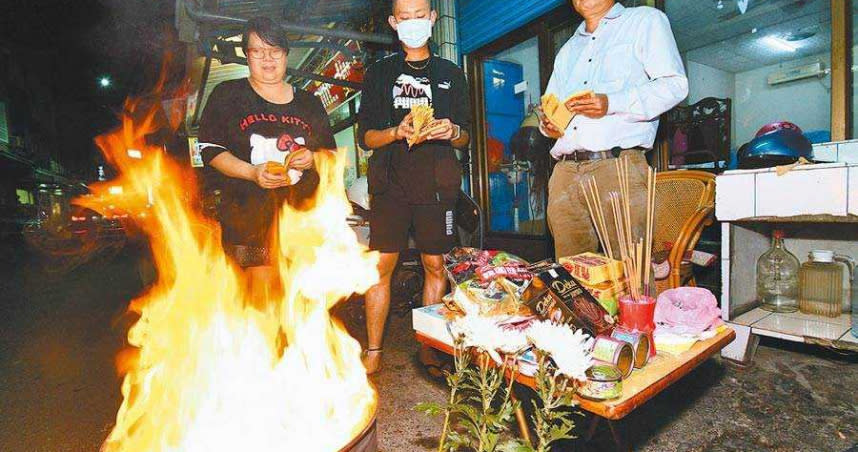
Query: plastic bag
{"points": [[687, 310]]}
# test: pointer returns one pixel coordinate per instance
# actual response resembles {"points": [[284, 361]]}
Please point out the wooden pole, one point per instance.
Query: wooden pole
{"points": [[841, 70]]}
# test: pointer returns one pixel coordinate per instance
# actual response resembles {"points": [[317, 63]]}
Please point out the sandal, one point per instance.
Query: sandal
{"points": [[364, 357]]}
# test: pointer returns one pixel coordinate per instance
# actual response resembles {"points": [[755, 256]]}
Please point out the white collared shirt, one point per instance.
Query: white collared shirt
{"points": [[632, 58]]}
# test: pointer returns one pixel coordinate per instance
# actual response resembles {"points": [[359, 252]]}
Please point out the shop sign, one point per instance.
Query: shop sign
{"points": [[343, 68]]}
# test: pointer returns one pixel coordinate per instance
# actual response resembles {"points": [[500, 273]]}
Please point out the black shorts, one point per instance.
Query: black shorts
{"points": [[392, 219]]}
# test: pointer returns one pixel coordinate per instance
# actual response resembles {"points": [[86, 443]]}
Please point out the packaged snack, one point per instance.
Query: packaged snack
{"points": [[556, 295], [607, 289], [592, 268], [464, 264]]}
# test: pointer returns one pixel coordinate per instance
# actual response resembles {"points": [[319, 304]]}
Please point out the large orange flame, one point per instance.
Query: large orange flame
{"points": [[206, 372]]}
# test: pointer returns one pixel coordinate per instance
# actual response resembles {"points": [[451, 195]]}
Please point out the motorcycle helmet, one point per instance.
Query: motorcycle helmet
{"points": [[778, 147], [777, 125]]}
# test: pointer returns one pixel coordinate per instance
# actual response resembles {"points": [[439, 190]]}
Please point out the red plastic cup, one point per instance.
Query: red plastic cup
{"points": [[637, 315]]}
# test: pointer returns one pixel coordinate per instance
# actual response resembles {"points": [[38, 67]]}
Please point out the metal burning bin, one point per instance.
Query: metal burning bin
{"points": [[366, 441]]}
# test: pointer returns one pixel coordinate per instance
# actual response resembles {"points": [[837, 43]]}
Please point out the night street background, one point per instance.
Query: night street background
{"points": [[63, 318]]}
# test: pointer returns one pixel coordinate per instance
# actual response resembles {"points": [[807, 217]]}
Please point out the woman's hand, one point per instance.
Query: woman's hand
{"points": [[301, 159], [268, 180]]}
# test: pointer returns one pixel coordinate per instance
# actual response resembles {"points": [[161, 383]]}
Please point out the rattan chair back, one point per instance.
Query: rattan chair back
{"points": [[678, 196]]}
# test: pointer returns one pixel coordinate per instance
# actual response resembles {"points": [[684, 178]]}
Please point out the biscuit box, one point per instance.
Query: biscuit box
{"points": [[607, 289], [592, 268], [554, 294]]}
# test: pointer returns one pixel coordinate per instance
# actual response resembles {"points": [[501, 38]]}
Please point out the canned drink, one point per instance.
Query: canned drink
{"points": [[639, 342], [616, 352]]}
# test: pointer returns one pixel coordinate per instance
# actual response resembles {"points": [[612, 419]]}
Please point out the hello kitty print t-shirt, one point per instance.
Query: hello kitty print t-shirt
{"points": [[238, 120]]}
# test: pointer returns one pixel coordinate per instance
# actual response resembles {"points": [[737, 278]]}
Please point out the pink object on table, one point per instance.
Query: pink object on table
{"points": [[687, 310], [637, 315]]}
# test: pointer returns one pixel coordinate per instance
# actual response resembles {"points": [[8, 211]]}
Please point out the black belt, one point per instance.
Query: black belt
{"points": [[583, 156]]}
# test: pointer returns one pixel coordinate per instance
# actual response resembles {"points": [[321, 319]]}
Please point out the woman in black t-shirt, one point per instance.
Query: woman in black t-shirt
{"points": [[249, 122]]}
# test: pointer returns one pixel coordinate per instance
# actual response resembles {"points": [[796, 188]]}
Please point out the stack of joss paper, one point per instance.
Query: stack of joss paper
{"points": [[421, 117], [556, 111]]}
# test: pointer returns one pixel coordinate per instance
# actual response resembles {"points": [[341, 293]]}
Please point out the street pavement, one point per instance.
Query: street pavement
{"points": [[61, 327]]}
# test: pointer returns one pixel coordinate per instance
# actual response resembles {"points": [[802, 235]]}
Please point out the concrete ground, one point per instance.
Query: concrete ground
{"points": [[59, 333]]}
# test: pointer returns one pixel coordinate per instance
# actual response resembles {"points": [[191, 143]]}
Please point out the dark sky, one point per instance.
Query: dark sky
{"points": [[89, 38], [69, 44]]}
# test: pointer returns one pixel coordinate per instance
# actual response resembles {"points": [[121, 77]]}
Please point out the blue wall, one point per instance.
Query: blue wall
{"points": [[482, 21]]}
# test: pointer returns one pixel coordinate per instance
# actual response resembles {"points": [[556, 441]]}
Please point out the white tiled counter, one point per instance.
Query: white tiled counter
{"points": [[817, 206]]}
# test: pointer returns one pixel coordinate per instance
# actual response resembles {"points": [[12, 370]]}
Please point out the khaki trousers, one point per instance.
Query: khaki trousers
{"points": [[568, 216]]}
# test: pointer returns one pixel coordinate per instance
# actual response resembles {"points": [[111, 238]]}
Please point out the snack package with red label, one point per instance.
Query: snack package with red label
{"points": [[464, 264]]}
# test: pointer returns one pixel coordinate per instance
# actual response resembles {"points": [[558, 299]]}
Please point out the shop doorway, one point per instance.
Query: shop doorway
{"points": [[511, 157]]}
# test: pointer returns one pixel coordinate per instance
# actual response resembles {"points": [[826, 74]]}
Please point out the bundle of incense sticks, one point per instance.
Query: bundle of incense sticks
{"points": [[634, 252], [597, 215]]}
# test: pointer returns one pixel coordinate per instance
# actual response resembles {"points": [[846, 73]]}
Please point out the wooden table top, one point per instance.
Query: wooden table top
{"points": [[643, 384]]}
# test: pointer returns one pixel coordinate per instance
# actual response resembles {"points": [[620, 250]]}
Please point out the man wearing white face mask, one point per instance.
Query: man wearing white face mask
{"points": [[413, 189]]}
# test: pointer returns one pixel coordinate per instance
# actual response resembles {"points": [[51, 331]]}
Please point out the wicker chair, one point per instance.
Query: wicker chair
{"points": [[684, 205]]}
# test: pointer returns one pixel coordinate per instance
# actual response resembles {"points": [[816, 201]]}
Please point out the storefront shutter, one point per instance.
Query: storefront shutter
{"points": [[483, 21]]}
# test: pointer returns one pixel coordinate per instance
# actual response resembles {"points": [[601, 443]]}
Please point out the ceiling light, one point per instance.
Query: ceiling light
{"points": [[779, 44]]}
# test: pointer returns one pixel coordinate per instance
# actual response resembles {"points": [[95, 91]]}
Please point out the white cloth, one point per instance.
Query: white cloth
{"points": [[632, 58]]}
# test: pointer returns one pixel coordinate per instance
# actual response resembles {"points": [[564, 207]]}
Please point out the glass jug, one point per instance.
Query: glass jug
{"points": [[777, 277]]}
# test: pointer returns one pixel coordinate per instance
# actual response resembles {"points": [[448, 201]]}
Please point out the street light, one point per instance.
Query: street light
{"points": [[104, 81]]}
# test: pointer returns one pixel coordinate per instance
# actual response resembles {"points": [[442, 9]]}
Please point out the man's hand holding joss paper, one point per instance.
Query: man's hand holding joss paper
{"points": [[547, 127], [404, 130], [595, 106], [441, 129]]}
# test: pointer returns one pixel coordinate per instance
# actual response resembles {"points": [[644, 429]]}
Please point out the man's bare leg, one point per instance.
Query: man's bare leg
{"points": [[377, 307], [435, 285]]}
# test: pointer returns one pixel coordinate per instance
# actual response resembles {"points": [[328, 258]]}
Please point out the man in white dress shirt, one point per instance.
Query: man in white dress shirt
{"points": [[628, 58]]}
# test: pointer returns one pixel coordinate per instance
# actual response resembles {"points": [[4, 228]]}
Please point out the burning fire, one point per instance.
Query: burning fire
{"points": [[206, 371]]}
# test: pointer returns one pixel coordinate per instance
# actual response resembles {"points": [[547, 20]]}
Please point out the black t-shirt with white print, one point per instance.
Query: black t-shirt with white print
{"points": [[427, 172], [238, 120], [411, 88]]}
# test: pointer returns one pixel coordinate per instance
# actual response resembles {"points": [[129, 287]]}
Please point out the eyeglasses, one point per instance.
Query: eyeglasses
{"points": [[258, 53]]}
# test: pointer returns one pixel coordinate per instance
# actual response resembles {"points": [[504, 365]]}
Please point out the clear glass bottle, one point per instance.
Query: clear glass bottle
{"points": [[777, 277]]}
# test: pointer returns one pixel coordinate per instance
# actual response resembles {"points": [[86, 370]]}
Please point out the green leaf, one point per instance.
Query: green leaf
{"points": [[558, 433], [515, 445], [430, 408], [490, 442], [458, 441]]}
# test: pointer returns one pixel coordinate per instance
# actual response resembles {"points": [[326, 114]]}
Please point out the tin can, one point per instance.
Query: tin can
{"points": [[604, 382], [616, 352], [639, 342]]}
